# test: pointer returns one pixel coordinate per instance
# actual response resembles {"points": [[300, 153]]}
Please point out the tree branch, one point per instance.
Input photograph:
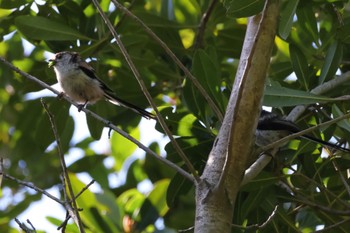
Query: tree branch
{"points": [[75, 213], [24, 227], [321, 187], [32, 186], [146, 93], [202, 25], [258, 31], [319, 90], [99, 118], [331, 227], [65, 204], [299, 196], [258, 226]]}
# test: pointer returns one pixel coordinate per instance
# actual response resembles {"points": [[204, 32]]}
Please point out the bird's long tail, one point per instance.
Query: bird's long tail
{"points": [[325, 143], [115, 100]]}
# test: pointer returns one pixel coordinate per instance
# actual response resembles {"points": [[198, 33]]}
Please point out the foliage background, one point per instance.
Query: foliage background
{"points": [[312, 44]]}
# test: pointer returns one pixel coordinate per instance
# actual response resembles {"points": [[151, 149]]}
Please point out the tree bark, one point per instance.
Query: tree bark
{"points": [[220, 181]]}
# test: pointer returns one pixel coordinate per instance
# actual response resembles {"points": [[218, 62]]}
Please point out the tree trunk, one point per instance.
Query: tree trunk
{"points": [[220, 181]]}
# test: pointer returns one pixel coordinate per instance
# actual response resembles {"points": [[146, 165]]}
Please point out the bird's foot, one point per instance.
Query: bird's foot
{"points": [[60, 95], [81, 106]]}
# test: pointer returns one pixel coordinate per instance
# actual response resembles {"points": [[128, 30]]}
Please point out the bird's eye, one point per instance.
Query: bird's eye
{"points": [[58, 56]]}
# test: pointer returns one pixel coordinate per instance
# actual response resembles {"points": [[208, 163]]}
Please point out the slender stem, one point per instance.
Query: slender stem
{"points": [[76, 215], [32, 186], [202, 25], [145, 91]]}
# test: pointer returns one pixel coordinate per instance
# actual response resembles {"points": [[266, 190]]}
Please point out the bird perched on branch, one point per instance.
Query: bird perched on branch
{"points": [[272, 127], [79, 81]]}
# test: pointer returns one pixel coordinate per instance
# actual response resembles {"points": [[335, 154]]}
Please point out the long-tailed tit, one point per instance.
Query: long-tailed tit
{"points": [[272, 127], [79, 81]]}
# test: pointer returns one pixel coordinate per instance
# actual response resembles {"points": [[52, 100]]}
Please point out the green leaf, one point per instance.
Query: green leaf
{"points": [[240, 9], [41, 28], [333, 58], [86, 201], [253, 200], [307, 219], [177, 187], [95, 127], [263, 180], [207, 71], [299, 64], [308, 22], [72, 228], [228, 37], [114, 211], [345, 124], [193, 99], [122, 148], [158, 196], [148, 215], [100, 221], [86, 163], [10, 4], [281, 97], [280, 70], [287, 16], [131, 200], [344, 33]]}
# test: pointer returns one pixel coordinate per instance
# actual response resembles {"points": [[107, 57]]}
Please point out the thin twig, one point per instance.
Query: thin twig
{"points": [[258, 165], [24, 227], [32, 186], [258, 226], [85, 188], [30, 224], [170, 53], [250, 227], [319, 186], [187, 229], [76, 215], [66, 204], [146, 92], [1, 170], [331, 227], [319, 90], [202, 25], [342, 178], [300, 197], [71, 211], [64, 223], [99, 118], [323, 208]]}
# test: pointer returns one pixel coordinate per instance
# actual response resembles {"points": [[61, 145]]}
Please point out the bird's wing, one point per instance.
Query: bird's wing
{"points": [[110, 95]]}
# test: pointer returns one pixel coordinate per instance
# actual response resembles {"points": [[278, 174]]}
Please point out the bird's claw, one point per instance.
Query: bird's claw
{"points": [[80, 107], [60, 95]]}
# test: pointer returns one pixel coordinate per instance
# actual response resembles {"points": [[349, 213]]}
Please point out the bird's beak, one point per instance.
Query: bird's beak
{"points": [[52, 62]]}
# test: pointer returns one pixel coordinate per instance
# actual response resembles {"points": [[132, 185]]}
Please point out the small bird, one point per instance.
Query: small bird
{"points": [[80, 82], [272, 127]]}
